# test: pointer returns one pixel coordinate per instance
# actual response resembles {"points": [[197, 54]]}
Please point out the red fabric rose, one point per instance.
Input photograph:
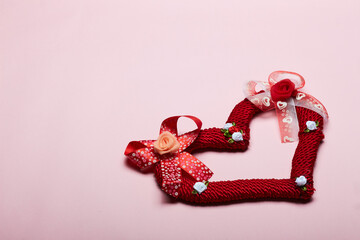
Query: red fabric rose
{"points": [[282, 90], [233, 129]]}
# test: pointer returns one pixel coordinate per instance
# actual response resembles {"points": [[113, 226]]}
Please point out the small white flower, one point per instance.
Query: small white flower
{"points": [[311, 125], [227, 126], [237, 136], [200, 187], [301, 181]]}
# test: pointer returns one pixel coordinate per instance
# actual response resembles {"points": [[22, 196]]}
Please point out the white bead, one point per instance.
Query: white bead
{"points": [[200, 187], [237, 136], [311, 125], [301, 181], [227, 126]]}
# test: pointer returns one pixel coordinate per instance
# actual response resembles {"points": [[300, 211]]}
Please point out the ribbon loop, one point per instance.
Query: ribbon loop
{"points": [[253, 88], [278, 76], [170, 125]]}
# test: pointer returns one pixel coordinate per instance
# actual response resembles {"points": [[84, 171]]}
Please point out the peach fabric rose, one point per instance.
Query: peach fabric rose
{"points": [[166, 143]]}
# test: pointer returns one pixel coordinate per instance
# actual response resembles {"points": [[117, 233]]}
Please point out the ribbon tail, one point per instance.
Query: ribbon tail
{"points": [[171, 176], [287, 119], [305, 100], [194, 167]]}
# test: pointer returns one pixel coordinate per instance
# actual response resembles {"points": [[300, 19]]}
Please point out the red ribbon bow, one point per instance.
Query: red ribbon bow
{"points": [[143, 154]]}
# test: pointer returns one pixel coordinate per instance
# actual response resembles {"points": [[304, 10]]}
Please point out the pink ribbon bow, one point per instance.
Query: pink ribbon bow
{"points": [[144, 154], [281, 92]]}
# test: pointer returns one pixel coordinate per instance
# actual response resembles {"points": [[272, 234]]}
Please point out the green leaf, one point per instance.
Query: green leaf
{"points": [[304, 188], [317, 123], [233, 123], [306, 130], [223, 130], [231, 140], [242, 132], [227, 134], [207, 183], [194, 192]]}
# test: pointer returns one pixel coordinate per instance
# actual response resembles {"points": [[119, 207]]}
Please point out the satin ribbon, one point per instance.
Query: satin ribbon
{"points": [[259, 94], [143, 155]]}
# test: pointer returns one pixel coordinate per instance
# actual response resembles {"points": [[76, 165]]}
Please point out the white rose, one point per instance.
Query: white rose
{"points": [[200, 187], [311, 125], [237, 136], [227, 126], [301, 181]]}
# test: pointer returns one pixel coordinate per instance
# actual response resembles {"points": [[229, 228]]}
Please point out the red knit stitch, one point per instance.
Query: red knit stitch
{"points": [[225, 191]]}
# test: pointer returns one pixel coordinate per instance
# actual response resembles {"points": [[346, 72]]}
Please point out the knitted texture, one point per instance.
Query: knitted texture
{"points": [[243, 189], [213, 138]]}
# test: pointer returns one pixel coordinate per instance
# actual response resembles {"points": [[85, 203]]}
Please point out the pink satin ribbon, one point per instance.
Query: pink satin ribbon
{"points": [[259, 94], [143, 155]]}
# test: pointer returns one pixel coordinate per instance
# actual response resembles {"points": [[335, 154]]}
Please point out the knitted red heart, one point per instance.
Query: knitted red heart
{"points": [[184, 177], [243, 189]]}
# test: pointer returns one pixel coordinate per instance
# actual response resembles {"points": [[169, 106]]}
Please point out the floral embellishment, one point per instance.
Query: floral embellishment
{"points": [[237, 136], [301, 182], [282, 90], [166, 143], [311, 126], [200, 187], [233, 132], [227, 126]]}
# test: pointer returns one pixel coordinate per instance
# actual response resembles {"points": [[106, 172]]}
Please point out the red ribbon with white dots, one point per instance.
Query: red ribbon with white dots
{"points": [[143, 155]]}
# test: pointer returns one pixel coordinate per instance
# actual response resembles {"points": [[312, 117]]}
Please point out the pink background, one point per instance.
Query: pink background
{"points": [[80, 79]]}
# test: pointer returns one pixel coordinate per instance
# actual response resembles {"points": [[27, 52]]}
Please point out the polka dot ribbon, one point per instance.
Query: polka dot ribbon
{"points": [[262, 95], [143, 155]]}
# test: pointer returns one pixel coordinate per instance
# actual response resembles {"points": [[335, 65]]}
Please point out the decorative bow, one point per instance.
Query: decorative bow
{"points": [[168, 150], [281, 92]]}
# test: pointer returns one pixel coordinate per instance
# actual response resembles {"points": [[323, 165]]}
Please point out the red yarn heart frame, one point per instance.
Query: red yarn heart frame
{"points": [[247, 189]]}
